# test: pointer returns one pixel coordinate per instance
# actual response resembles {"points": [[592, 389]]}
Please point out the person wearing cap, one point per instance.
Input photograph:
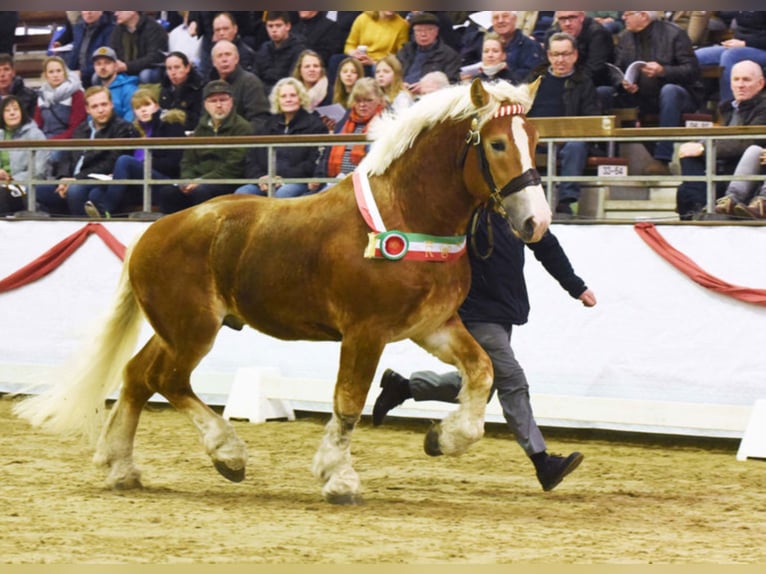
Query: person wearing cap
{"points": [[120, 85], [427, 53], [201, 166], [140, 43], [247, 88], [93, 29]]}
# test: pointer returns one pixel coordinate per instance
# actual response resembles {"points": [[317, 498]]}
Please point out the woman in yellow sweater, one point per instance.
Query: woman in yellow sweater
{"points": [[376, 34]]}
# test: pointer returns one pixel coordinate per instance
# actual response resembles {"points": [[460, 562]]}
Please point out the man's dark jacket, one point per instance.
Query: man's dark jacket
{"points": [[97, 160], [321, 35], [273, 63], [101, 32], [579, 96], [498, 292], [752, 112], [669, 45], [440, 58], [595, 47], [27, 96], [151, 44]]}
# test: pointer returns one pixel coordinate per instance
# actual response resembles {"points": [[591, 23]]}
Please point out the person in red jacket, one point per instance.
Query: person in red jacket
{"points": [[60, 102]]}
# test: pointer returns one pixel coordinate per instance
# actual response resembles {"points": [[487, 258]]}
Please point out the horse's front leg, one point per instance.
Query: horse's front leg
{"points": [[464, 426], [332, 462]]}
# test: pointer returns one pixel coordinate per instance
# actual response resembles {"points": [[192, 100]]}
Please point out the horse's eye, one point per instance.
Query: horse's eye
{"points": [[498, 145]]}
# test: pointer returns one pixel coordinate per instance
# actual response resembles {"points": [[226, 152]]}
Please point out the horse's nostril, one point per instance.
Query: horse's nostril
{"points": [[529, 228]]}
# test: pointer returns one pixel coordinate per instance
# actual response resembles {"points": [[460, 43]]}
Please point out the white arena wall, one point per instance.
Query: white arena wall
{"points": [[658, 354]]}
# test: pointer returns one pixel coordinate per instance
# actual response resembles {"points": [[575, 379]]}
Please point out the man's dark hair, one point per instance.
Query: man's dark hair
{"points": [[6, 59], [274, 15]]}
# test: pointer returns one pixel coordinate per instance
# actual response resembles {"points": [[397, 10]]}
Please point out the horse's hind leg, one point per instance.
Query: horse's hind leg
{"points": [[332, 462], [155, 369], [171, 377], [464, 426], [115, 444]]}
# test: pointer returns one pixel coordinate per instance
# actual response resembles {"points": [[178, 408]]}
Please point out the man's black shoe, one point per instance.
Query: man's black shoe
{"points": [[556, 468], [396, 389]]}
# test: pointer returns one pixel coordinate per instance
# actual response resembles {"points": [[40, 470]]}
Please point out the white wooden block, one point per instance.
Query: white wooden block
{"points": [[249, 397], [753, 443]]}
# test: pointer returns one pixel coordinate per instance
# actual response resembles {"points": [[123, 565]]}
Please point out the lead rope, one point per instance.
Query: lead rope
{"points": [[490, 233]]}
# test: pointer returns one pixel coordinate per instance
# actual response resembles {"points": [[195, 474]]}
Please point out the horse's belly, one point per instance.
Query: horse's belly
{"points": [[380, 297]]}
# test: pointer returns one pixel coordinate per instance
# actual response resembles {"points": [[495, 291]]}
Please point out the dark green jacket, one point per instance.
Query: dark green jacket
{"points": [[216, 163]]}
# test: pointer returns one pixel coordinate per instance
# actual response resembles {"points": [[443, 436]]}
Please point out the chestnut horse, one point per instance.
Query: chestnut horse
{"points": [[379, 257]]}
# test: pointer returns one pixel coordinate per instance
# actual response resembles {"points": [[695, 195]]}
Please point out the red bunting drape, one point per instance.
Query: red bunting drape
{"points": [[648, 232], [57, 254]]}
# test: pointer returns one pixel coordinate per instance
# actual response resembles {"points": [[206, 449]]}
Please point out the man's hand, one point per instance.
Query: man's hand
{"points": [[630, 88], [653, 69], [263, 183], [733, 43], [63, 186], [188, 188], [691, 149], [588, 298]]}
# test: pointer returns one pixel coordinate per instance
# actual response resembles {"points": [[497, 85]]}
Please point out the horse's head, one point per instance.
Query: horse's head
{"points": [[504, 144]]}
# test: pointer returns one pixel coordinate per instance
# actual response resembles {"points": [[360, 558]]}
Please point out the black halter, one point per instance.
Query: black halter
{"points": [[525, 179]]}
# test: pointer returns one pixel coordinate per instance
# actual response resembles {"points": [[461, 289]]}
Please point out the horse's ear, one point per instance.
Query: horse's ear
{"points": [[532, 87], [479, 95]]}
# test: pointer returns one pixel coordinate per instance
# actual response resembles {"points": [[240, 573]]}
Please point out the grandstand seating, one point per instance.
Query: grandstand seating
{"points": [[33, 35], [602, 198]]}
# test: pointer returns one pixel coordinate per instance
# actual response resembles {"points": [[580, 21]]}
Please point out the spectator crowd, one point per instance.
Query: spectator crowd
{"points": [[132, 74]]}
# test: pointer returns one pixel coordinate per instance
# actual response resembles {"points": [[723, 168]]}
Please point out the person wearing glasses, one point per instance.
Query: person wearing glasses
{"points": [[595, 45], [565, 91], [426, 53]]}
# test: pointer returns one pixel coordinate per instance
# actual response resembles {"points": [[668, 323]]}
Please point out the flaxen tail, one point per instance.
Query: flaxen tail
{"points": [[74, 402]]}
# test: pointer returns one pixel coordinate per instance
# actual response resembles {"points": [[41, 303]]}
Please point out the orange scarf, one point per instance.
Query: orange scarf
{"points": [[358, 151]]}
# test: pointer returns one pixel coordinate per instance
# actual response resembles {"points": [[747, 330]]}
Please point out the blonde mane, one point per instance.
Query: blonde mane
{"points": [[393, 135]]}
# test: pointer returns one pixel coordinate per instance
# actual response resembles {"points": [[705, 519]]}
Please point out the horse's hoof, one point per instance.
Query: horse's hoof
{"points": [[431, 442], [234, 475], [348, 499], [128, 484]]}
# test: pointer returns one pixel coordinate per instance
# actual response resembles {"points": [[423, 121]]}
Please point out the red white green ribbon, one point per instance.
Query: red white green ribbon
{"points": [[395, 245]]}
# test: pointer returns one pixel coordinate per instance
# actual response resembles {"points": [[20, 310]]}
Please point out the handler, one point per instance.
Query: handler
{"points": [[496, 301]]}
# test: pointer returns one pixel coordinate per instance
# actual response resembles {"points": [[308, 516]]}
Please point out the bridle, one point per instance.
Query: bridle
{"points": [[528, 178]]}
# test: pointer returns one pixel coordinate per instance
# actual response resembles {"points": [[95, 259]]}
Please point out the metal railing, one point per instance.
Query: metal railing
{"points": [[708, 136]]}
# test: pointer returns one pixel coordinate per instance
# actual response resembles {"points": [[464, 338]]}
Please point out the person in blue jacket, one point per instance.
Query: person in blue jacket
{"points": [[496, 301], [92, 31], [121, 86]]}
